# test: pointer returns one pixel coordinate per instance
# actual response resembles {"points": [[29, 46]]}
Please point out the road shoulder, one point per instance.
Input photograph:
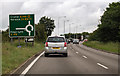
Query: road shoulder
{"points": [[24, 65]]}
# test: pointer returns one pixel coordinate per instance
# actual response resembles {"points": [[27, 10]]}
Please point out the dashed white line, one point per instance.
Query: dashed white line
{"points": [[72, 49], [28, 68], [76, 52], [102, 65], [85, 56]]}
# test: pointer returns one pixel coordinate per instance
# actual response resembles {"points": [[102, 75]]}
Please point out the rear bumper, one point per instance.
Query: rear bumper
{"points": [[75, 42], [55, 51]]}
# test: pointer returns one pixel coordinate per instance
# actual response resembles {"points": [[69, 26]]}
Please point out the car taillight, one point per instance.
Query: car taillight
{"points": [[65, 44], [46, 44]]}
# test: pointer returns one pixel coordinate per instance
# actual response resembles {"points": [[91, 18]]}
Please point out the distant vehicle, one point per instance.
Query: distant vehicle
{"points": [[56, 45], [75, 41], [71, 40], [68, 41]]}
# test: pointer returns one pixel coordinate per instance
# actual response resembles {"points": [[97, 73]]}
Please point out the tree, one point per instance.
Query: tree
{"points": [[109, 29], [44, 28], [40, 32], [5, 35], [110, 23], [94, 36], [48, 23]]}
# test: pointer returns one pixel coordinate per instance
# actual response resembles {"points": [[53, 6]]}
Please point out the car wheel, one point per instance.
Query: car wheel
{"points": [[46, 54], [65, 54]]}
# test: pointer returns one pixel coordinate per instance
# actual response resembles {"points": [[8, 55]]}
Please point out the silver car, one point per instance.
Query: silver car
{"points": [[56, 45], [76, 41]]}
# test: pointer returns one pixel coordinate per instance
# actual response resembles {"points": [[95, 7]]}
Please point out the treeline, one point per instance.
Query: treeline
{"points": [[5, 36], [43, 29], [77, 35], [109, 29]]}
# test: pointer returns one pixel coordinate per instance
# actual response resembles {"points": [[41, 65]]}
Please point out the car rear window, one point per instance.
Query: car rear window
{"points": [[56, 39], [76, 40]]}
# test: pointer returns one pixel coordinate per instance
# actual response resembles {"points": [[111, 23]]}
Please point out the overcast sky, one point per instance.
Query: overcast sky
{"points": [[83, 15]]}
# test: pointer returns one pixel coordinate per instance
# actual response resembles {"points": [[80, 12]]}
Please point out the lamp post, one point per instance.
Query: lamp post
{"points": [[64, 25], [58, 25], [58, 22], [74, 33], [76, 30], [70, 29]]}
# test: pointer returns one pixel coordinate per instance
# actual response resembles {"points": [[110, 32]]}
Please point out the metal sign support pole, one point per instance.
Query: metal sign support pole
{"points": [[25, 41], [19, 41], [11, 40], [33, 42]]}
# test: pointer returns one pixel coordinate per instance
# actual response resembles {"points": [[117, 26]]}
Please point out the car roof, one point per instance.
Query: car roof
{"points": [[56, 36], [76, 39]]}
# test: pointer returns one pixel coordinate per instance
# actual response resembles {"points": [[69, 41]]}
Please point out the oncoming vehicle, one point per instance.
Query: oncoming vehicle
{"points": [[56, 45]]}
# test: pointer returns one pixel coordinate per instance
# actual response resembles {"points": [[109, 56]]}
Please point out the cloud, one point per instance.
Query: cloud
{"points": [[8, 8], [79, 12], [82, 13]]}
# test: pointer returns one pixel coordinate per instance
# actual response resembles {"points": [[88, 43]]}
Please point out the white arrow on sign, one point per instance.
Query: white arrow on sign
{"points": [[26, 28]]}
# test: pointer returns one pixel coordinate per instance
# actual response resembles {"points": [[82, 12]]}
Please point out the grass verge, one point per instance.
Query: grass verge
{"points": [[13, 56], [109, 46]]}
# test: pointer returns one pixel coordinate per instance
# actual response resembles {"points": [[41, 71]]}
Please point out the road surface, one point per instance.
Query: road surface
{"points": [[80, 60]]}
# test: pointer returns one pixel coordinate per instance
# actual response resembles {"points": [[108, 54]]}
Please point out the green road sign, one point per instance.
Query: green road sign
{"points": [[21, 25]]}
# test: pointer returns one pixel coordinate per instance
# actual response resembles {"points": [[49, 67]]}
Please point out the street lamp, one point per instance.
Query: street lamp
{"points": [[58, 22], [76, 30], [70, 29], [64, 25]]}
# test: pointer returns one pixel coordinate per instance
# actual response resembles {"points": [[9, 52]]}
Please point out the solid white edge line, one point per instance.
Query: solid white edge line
{"points": [[102, 66], [76, 52], [85, 56], [32, 63]]}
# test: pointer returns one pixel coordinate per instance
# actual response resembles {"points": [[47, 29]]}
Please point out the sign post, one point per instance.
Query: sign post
{"points": [[11, 40], [21, 26]]}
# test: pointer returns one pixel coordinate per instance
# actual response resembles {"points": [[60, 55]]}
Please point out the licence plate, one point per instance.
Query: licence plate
{"points": [[55, 47]]}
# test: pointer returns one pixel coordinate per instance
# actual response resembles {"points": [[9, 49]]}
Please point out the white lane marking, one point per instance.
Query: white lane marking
{"points": [[32, 63], [102, 65], [76, 52], [72, 49], [85, 56]]}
